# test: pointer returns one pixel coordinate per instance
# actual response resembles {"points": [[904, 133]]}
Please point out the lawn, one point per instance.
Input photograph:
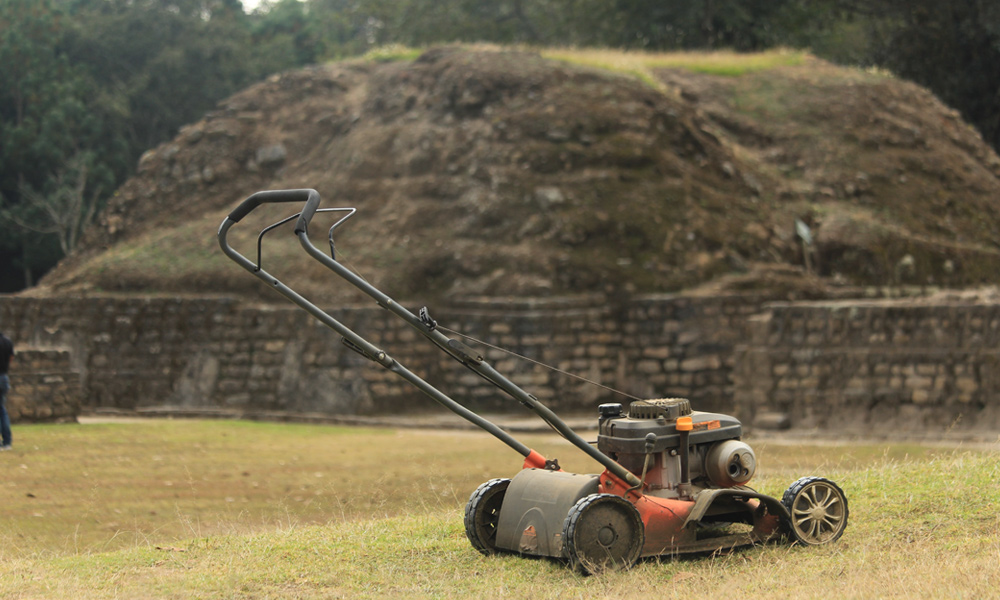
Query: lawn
{"points": [[220, 509]]}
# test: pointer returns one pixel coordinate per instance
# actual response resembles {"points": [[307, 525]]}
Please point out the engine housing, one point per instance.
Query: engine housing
{"points": [[647, 442]]}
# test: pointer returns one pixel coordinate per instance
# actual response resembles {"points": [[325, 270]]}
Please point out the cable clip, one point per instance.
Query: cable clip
{"points": [[425, 318]]}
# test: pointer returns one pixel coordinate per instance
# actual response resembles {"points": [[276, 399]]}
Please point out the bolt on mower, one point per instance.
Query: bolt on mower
{"points": [[675, 479]]}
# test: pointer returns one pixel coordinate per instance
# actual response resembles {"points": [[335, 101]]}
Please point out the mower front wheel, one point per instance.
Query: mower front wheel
{"points": [[482, 514], [603, 532], [818, 510]]}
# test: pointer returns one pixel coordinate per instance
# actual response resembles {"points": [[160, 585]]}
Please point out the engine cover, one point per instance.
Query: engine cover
{"points": [[647, 443], [627, 435]]}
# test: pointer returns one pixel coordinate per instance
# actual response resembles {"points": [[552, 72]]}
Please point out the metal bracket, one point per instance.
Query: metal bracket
{"points": [[464, 352], [381, 359], [425, 318]]}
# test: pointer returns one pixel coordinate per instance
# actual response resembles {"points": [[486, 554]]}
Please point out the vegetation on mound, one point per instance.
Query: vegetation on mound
{"points": [[289, 511], [492, 171], [641, 64]]}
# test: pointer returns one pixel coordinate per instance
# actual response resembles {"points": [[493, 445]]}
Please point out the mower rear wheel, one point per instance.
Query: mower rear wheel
{"points": [[818, 510], [482, 514], [603, 532]]}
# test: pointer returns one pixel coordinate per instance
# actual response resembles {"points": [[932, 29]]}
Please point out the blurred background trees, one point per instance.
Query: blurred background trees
{"points": [[86, 86]]}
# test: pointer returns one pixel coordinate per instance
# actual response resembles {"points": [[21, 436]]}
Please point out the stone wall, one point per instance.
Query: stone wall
{"points": [[204, 354], [890, 366], [44, 386], [877, 368]]}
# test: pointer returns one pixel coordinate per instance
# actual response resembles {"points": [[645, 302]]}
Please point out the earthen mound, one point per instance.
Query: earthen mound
{"points": [[480, 172]]}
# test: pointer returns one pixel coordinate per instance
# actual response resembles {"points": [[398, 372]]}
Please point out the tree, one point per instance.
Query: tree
{"points": [[162, 64], [284, 36], [86, 86], [67, 205], [952, 48], [49, 128], [743, 25]]}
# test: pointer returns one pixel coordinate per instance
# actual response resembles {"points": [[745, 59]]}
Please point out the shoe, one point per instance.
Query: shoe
{"points": [[7, 447]]}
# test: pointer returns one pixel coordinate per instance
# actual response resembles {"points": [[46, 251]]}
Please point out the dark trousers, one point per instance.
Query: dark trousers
{"points": [[4, 417]]}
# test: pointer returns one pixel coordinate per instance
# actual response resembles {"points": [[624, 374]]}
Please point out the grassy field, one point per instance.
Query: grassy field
{"points": [[213, 509]]}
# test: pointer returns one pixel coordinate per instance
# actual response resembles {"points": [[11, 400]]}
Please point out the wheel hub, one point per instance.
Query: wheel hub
{"points": [[606, 536]]}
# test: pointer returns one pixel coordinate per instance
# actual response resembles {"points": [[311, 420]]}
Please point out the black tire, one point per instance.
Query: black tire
{"points": [[482, 515], [817, 509], [602, 532]]}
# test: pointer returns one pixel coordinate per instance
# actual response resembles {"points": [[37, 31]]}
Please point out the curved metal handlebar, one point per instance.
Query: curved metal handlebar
{"points": [[311, 200], [456, 349], [310, 197], [312, 203]]}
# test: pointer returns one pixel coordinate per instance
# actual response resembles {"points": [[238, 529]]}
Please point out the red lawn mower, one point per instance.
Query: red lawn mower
{"points": [[674, 480]]}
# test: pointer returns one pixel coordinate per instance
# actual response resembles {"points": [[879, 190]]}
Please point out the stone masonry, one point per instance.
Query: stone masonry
{"points": [[44, 386], [205, 354], [873, 368], [886, 366]]}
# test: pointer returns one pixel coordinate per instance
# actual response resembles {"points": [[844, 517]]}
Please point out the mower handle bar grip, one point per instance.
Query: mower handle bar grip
{"points": [[308, 196]]}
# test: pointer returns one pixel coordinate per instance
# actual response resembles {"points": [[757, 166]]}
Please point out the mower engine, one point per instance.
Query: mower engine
{"points": [[650, 442]]}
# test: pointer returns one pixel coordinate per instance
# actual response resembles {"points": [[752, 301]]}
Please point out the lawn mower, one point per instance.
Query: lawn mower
{"points": [[675, 479]]}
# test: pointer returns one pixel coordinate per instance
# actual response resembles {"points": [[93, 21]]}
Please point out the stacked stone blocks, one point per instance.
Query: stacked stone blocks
{"points": [[217, 353], [873, 367], [864, 366]]}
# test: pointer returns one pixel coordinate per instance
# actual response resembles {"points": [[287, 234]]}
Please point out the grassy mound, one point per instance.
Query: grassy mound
{"points": [[499, 171]]}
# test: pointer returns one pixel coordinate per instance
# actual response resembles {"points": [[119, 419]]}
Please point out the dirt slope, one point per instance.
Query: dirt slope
{"points": [[500, 172]]}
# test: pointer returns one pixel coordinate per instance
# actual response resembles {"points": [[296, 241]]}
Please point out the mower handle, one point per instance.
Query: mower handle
{"points": [[310, 197], [312, 203], [350, 338], [454, 348]]}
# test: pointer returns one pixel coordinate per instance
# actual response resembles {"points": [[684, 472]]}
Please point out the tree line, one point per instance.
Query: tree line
{"points": [[86, 86]]}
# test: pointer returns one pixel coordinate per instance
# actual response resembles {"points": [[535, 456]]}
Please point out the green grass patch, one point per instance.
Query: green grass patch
{"points": [[392, 53], [297, 511], [635, 64], [727, 63], [641, 64]]}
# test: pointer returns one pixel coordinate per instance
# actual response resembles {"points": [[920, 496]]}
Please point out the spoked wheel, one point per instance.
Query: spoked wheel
{"points": [[482, 514], [602, 532], [818, 509]]}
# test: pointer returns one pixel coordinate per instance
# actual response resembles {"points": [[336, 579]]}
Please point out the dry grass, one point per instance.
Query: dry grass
{"points": [[638, 63], [183, 509], [721, 62], [642, 64]]}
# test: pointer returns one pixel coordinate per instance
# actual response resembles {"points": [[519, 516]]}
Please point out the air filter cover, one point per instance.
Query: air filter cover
{"points": [[668, 408]]}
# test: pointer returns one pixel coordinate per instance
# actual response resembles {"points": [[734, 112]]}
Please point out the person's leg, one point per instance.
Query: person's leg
{"points": [[4, 417]]}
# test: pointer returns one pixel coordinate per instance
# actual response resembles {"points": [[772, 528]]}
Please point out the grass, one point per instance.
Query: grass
{"points": [[182, 509], [108, 486], [392, 53], [726, 63], [721, 62]]}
